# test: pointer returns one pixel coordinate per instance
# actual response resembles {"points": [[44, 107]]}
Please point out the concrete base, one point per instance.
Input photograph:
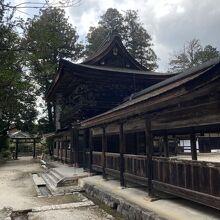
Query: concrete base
{"points": [[135, 203]]}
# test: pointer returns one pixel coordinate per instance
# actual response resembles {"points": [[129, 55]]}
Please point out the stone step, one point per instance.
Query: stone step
{"points": [[56, 174], [38, 180], [53, 176], [50, 181]]}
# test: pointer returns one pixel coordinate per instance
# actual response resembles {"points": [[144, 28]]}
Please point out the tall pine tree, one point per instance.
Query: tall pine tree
{"points": [[135, 37], [49, 37]]}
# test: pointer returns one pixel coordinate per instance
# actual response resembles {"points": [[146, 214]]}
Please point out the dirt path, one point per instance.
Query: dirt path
{"points": [[17, 192], [16, 186]]}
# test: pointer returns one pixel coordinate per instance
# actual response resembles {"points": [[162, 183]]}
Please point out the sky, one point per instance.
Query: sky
{"points": [[171, 23]]}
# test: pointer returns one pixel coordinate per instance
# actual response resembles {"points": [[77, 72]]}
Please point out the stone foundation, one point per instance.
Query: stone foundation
{"points": [[127, 210]]}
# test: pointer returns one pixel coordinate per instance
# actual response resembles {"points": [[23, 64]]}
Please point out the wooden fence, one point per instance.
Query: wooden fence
{"points": [[194, 180]]}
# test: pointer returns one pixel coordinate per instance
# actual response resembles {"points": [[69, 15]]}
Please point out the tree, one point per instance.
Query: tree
{"points": [[17, 100], [207, 54], [193, 54], [135, 37], [111, 20], [138, 41], [48, 38]]}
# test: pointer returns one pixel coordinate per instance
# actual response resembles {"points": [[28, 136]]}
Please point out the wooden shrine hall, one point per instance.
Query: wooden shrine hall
{"points": [[138, 140], [81, 91]]}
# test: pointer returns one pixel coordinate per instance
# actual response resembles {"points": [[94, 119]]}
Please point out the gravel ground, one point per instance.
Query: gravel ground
{"points": [[16, 186], [88, 213], [17, 192]]}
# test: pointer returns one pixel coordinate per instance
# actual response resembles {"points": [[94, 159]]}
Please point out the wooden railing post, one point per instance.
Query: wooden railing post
{"points": [[149, 152], [122, 150], [61, 147], [72, 146], [58, 147], [103, 152], [66, 146], [76, 143], [166, 145], [193, 146], [34, 150], [85, 146], [90, 150], [16, 150]]}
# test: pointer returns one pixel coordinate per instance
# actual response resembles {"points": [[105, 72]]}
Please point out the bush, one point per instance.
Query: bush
{"points": [[6, 154], [4, 142]]}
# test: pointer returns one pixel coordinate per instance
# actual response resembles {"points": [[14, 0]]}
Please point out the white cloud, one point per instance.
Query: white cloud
{"points": [[169, 22]]}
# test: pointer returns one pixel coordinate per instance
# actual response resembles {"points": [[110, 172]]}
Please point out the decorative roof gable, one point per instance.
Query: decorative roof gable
{"points": [[112, 53]]}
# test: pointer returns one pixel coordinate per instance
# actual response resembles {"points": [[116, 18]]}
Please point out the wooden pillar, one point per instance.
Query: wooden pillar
{"points": [[122, 150], [166, 145], [160, 146], [193, 146], [34, 150], [176, 145], [103, 152], [76, 148], [72, 146], [16, 150], [66, 147], [149, 152], [90, 150], [58, 149], [61, 148], [85, 147]]}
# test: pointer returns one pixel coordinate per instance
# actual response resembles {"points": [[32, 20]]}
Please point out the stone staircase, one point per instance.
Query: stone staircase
{"points": [[59, 184], [52, 178]]}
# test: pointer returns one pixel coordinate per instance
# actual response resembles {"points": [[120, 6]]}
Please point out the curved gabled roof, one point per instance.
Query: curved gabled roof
{"points": [[92, 69], [107, 47]]}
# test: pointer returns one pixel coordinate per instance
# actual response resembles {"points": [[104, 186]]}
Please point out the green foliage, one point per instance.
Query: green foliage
{"points": [[17, 99], [4, 142], [138, 41], [6, 154], [193, 54], [134, 35], [48, 38], [206, 54], [4, 147]]}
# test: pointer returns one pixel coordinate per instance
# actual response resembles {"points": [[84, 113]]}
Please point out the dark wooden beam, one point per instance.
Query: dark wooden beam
{"points": [[16, 150], [193, 146], [76, 148], [34, 150], [166, 145], [104, 143], [66, 146], [72, 146], [149, 152], [122, 150], [85, 147], [90, 150]]}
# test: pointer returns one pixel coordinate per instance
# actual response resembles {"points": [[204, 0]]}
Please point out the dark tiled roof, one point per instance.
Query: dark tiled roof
{"points": [[178, 76], [161, 87], [125, 70]]}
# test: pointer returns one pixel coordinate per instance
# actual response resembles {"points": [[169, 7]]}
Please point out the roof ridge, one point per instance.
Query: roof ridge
{"points": [[178, 76], [107, 41]]}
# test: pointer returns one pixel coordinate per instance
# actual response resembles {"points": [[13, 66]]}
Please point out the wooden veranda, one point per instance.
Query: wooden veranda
{"points": [[187, 104]]}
